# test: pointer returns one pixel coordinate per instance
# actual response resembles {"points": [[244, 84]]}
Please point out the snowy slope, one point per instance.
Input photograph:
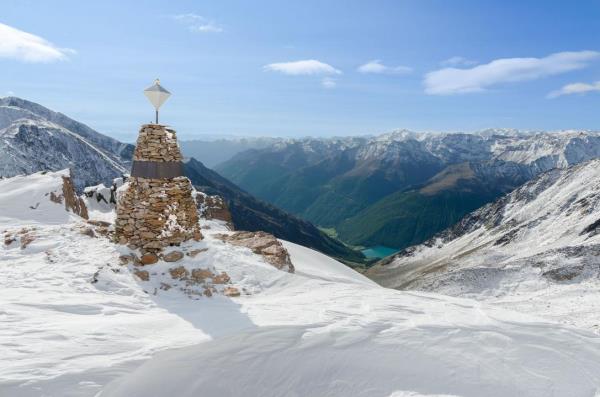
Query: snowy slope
{"points": [[74, 322], [25, 200], [33, 138], [536, 250]]}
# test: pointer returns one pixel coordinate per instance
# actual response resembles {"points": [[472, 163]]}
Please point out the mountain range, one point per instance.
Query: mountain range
{"points": [[400, 188], [213, 150], [34, 138]]}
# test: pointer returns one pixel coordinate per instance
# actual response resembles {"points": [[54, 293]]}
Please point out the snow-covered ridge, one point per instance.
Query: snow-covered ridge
{"points": [[533, 151], [33, 138], [535, 249], [75, 321]]}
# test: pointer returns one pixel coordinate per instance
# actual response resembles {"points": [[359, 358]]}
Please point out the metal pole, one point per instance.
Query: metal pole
{"points": [[156, 116]]}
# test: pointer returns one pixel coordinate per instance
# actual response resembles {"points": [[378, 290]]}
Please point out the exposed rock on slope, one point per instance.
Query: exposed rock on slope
{"points": [[264, 244], [213, 207]]}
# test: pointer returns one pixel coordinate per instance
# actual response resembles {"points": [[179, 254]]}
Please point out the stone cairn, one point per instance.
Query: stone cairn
{"points": [[157, 209]]}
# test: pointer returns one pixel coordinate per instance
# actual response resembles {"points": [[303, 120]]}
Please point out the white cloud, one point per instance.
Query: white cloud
{"points": [[306, 67], [575, 88], [449, 81], [23, 46], [458, 61], [198, 23], [328, 82], [375, 66]]}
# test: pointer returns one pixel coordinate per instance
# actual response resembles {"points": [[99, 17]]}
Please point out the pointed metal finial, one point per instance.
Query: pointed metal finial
{"points": [[157, 95]]}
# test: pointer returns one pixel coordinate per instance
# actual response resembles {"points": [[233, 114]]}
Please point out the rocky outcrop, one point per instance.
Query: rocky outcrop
{"points": [[192, 278], [264, 244], [69, 198], [155, 212], [22, 237], [213, 207], [73, 202]]}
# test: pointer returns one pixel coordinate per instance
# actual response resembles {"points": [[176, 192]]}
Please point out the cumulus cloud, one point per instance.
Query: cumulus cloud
{"points": [[27, 47], [375, 66], [198, 23], [449, 81], [458, 61], [575, 88], [305, 67], [328, 82]]}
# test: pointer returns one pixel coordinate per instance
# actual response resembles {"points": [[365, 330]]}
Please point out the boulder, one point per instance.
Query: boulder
{"points": [[142, 274], [173, 256], [264, 244], [199, 275], [222, 278], [231, 292], [148, 259], [179, 273]]}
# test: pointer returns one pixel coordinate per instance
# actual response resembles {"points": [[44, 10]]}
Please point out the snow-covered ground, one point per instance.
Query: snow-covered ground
{"points": [[74, 322]]}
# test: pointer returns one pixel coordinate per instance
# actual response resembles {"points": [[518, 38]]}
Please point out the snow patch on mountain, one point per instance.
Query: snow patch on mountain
{"points": [[536, 249]]}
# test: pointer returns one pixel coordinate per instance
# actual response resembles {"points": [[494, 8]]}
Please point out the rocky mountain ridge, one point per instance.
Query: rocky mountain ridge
{"points": [[34, 138]]}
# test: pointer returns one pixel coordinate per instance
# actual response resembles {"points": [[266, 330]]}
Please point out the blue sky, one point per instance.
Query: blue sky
{"points": [[297, 68]]}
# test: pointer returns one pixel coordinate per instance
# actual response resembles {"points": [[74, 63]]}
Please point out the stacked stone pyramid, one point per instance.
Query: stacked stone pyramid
{"points": [[157, 209]]}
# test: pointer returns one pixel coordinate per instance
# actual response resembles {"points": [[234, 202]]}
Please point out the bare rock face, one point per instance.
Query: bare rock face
{"points": [[214, 207], [69, 197], [156, 208], [73, 202], [264, 244]]}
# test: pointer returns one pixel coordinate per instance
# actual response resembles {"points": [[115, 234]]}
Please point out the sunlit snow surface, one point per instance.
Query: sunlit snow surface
{"points": [[324, 331]]}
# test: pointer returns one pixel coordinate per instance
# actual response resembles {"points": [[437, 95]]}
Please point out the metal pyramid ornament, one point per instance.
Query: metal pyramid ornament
{"points": [[157, 95]]}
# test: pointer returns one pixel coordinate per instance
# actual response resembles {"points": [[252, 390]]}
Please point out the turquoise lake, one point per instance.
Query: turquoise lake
{"points": [[379, 251]]}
